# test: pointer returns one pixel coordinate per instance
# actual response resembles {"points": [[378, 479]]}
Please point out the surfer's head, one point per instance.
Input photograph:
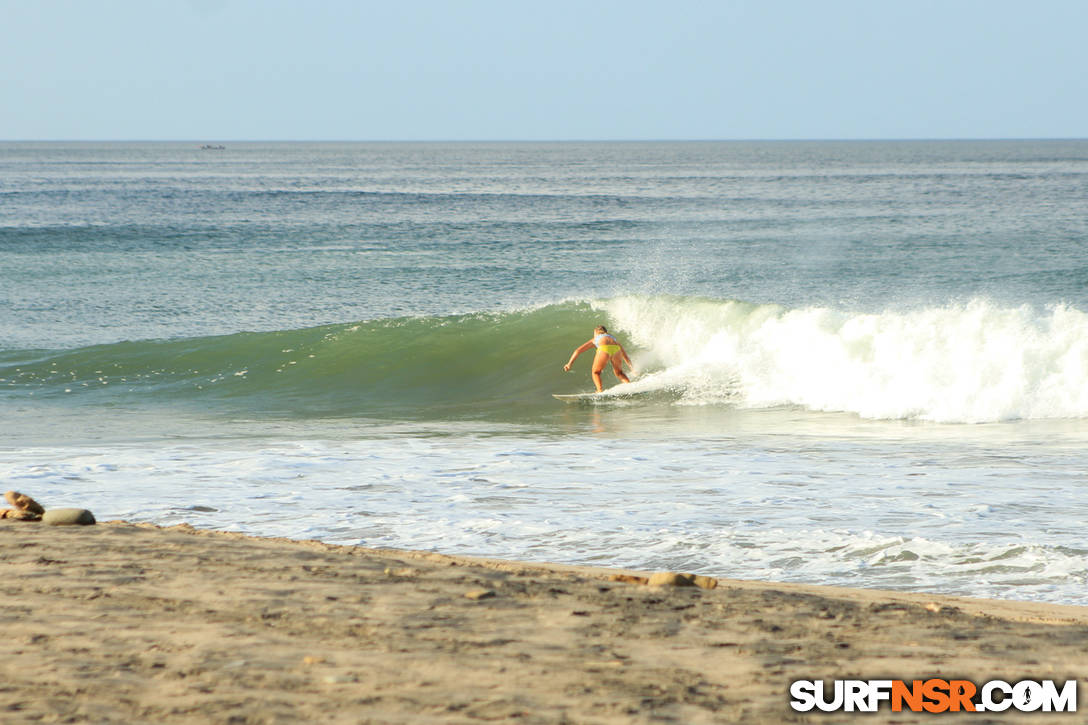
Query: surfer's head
{"points": [[599, 329]]}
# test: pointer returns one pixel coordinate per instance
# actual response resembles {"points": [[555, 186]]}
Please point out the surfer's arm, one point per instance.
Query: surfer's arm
{"points": [[574, 355], [626, 358]]}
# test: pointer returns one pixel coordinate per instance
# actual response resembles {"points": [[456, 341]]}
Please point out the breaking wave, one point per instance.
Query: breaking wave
{"points": [[966, 363]]}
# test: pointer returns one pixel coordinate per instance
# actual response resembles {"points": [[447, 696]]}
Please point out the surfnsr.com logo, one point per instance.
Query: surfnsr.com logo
{"points": [[934, 695]]}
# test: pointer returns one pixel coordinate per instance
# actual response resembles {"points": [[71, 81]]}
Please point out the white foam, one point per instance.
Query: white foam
{"points": [[970, 363], [924, 509]]}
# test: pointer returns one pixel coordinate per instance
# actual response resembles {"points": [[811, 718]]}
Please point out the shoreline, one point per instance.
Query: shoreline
{"points": [[124, 623]]}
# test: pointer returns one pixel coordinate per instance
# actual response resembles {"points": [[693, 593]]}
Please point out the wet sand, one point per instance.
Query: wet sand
{"points": [[123, 623]]}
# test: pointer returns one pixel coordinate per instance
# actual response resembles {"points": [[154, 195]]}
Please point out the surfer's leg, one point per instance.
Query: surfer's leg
{"points": [[599, 361], [617, 367]]}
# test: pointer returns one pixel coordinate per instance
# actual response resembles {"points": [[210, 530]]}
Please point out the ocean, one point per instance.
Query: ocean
{"points": [[859, 363]]}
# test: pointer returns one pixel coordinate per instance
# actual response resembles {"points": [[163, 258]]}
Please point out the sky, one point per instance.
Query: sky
{"points": [[217, 70]]}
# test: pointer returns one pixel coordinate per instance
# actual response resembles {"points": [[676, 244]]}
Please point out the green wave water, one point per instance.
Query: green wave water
{"points": [[461, 365], [970, 363]]}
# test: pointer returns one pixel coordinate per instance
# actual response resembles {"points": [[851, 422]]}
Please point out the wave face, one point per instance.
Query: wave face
{"points": [[969, 363], [409, 367]]}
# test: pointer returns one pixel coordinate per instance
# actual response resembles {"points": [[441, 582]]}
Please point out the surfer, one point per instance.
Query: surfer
{"points": [[608, 348]]}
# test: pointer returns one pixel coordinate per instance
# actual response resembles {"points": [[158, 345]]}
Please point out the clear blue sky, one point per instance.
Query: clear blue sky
{"points": [[506, 69]]}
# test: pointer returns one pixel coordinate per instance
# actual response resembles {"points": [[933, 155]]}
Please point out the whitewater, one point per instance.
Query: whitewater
{"points": [[970, 363], [857, 364]]}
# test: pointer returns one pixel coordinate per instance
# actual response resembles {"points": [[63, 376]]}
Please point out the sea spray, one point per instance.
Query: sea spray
{"points": [[967, 363]]}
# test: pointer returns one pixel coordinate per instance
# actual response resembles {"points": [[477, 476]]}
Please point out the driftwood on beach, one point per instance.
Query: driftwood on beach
{"points": [[27, 509]]}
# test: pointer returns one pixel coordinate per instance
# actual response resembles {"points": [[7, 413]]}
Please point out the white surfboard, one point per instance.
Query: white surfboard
{"points": [[619, 393], [610, 394], [576, 397]]}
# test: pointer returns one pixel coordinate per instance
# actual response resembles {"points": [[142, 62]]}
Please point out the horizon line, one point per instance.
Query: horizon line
{"points": [[891, 139]]}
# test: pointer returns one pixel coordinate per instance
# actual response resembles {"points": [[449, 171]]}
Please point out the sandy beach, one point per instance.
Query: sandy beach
{"points": [[124, 623]]}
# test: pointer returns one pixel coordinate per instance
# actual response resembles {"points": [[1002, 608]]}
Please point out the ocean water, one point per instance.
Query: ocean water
{"points": [[858, 363]]}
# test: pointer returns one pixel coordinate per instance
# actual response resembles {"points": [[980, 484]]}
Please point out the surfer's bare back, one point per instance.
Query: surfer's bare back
{"points": [[608, 349]]}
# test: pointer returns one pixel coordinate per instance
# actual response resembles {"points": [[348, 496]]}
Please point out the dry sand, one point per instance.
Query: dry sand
{"points": [[123, 623]]}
